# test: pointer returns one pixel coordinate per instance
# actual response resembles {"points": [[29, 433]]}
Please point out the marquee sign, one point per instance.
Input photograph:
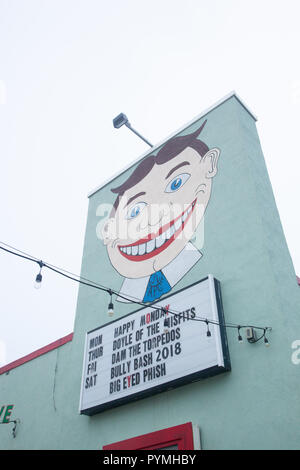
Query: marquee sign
{"points": [[137, 355]]}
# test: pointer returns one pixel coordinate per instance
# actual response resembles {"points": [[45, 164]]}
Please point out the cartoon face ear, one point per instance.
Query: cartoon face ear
{"points": [[210, 161], [107, 231]]}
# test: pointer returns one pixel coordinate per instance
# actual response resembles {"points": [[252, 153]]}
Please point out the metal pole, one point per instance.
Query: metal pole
{"points": [[127, 124]]}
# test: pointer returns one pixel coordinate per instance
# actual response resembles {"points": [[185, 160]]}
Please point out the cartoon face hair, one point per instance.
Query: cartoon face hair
{"points": [[169, 151]]}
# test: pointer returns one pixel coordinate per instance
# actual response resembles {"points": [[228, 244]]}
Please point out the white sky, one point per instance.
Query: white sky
{"points": [[68, 67]]}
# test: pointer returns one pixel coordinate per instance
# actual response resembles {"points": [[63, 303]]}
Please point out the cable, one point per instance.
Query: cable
{"points": [[108, 290], [96, 285], [87, 282]]}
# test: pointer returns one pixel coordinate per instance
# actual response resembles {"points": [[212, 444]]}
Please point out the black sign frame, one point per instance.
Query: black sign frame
{"points": [[194, 377]]}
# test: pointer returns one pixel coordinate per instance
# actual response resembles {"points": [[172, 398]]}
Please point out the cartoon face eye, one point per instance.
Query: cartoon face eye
{"points": [[135, 210], [177, 183]]}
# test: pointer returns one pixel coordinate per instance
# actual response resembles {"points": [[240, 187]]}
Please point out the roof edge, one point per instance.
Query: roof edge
{"points": [[39, 352], [199, 116]]}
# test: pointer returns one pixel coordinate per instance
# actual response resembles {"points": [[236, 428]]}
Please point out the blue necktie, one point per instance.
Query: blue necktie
{"points": [[157, 286]]}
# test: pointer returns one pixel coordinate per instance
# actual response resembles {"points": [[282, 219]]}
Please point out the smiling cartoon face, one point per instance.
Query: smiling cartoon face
{"points": [[157, 216]]}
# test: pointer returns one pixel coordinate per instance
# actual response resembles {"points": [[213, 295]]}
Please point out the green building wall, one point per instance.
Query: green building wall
{"points": [[255, 405]]}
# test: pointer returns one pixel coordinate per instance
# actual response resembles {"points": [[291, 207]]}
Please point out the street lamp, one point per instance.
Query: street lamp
{"points": [[122, 119]]}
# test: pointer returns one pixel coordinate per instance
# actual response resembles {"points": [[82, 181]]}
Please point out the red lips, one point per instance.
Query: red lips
{"points": [[155, 243]]}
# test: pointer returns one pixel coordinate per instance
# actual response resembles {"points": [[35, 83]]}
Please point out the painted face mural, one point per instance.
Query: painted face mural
{"points": [[155, 215]]}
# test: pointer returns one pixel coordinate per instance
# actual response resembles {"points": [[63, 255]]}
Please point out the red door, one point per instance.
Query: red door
{"points": [[178, 438]]}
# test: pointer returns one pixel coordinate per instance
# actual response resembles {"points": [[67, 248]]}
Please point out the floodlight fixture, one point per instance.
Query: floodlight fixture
{"points": [[120, 120]]}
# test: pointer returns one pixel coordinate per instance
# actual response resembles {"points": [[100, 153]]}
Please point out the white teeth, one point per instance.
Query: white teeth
{"points": [[150, 245], [135, 250], [177, 223], [168, 233], [142, 248], [158, 241]]}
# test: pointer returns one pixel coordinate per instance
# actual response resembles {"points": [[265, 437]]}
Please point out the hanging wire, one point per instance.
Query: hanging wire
{"points": [[99, 286], [84, 281]]}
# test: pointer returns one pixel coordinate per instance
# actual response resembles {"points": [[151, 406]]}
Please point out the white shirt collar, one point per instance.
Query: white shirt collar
{"points": [[174, 271]]}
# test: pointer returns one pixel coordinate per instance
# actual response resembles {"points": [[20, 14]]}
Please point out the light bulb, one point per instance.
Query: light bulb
{"points": [[265, 338], [110, 309], [38, 281], [208, 333], [240, 339], [166, 325]]}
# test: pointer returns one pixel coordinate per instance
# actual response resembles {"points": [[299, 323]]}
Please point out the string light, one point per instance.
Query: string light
{"points": [[166, 325], [166, 320], [208, 333], [240, 339], [267, 344], [39, 277], [110, 305], [95, 285]]}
